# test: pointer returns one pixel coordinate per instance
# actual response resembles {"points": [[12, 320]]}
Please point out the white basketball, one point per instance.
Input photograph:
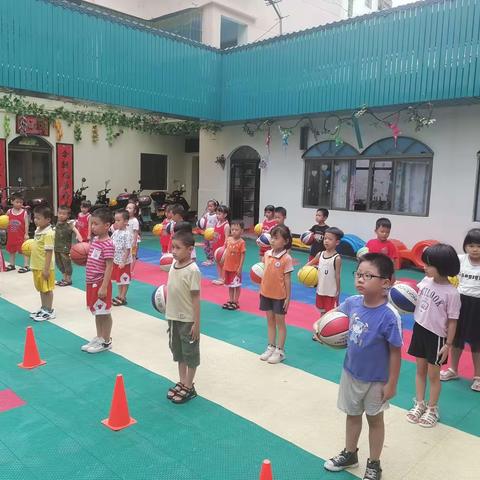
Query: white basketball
{"points": [[159, 299]]}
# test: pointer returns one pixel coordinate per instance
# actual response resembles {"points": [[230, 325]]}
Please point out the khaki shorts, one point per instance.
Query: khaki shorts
{"points": [[183, 349], [42, 285], [356, 397]]}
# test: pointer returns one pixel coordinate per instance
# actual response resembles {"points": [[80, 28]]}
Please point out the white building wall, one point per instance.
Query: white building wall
{"points": [[120, 163], [453, 138]]}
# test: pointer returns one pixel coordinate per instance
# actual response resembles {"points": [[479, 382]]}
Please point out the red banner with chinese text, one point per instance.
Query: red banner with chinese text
{"points": [[64, 173]]}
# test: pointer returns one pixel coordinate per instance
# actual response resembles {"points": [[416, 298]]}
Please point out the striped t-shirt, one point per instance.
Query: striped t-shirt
{"points": [[99, 252]]}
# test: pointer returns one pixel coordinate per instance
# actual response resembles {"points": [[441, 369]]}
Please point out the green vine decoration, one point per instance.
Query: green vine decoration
{"points": [[7, 130], [111, 118], [77, 132]]}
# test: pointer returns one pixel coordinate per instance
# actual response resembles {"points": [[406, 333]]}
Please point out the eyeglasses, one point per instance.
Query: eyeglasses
{"points": [[366, 276]]}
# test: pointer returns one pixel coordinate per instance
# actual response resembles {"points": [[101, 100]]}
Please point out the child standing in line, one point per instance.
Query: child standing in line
{"points": [[210, 220], [222, 232], [183, 316], [275, 292], [98, 278], [382, 244], [122, 241], [372, 362], [134, 227], [64, 229], [17, 232], [165, 236], [83, 220], [280, 215], [329, 271], [468, 324], [268, 223], [42, 263], [436, 314], [178, 223], [318, 231], [234, 257]]}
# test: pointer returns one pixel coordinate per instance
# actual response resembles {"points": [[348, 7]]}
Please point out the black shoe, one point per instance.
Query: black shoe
{"points": [[373, 470], [342, 461]]}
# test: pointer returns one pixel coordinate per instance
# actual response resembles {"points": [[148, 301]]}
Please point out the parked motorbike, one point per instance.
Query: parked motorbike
{"points": [[143, 203], [102, 197], [78, 198], [162, 199]]}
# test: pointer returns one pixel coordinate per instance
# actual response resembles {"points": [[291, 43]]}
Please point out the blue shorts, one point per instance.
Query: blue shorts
{"points": [[272, 304]]}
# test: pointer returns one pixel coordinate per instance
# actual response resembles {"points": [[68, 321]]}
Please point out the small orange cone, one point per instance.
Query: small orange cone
{"points": [[119, 416], [266, 471], [31, 357]]}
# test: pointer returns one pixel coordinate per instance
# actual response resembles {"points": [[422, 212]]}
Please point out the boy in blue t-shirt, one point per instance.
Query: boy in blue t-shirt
{"points": [[372, 362]]}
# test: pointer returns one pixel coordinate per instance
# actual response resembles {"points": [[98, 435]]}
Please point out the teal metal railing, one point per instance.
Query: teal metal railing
{"points": [[52, 48], [425, 51]]}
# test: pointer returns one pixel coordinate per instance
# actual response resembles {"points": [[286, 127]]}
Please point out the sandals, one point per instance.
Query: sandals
{"points": [[23, 270], [448, 374], [10, 268], [63, 283], [184, 395], [172, 391], [226, 305], [233, 306], [119, 302], [416, 413], [430, 418], [476, 384]]}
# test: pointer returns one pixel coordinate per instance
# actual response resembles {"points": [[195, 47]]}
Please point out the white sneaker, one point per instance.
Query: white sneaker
{"points": [[44, 315], [100, 346], [93, 341], [277, 356], [35, 314], [267, 353]]}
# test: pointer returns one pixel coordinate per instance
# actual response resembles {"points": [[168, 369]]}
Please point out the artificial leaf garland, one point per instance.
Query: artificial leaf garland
{"points": [[145, 123], [7, 130], [77, 132], [94, 133]]}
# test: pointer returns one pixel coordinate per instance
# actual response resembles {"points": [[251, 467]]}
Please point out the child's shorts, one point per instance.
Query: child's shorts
{"points": [[63, 262], [356, 397], [42, 285], [426, 344], [14, 247], [276, 306], [181, 345], [233, 280], [324, 303], [121, 275], [99, 306]]}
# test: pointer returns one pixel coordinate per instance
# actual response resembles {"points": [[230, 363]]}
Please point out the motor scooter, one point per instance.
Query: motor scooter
{"points": [[78, 197], [102, 197]]}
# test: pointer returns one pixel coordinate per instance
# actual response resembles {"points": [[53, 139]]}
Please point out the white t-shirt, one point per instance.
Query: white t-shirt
{"points": [[212, 220], [133, 226], [469, 277], [122, 241], [435, 305]]}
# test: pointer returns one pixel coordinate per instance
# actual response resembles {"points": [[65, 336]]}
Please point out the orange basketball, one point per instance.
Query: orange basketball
{"points": [[79, 253]]}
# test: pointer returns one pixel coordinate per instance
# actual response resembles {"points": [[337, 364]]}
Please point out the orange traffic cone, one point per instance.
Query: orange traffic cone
{"points": [[31, 357], [119, 416], [266, 471]]}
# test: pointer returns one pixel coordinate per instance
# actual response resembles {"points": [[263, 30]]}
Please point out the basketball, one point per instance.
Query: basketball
{"points": [[112, 203], [308, 275], [4, 222], [258, 229], [208, 234], [157, 229], [454, 281], [362, 251], [27, 247], [332, 329], [79, 253], [256, 272], [307, 238], [202, 223], [403, 296], [166, 262], [264, 240], [159, 299], [218, 255]]}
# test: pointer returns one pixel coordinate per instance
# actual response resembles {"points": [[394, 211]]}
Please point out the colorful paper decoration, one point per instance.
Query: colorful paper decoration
{"points": [[64, 173]]}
